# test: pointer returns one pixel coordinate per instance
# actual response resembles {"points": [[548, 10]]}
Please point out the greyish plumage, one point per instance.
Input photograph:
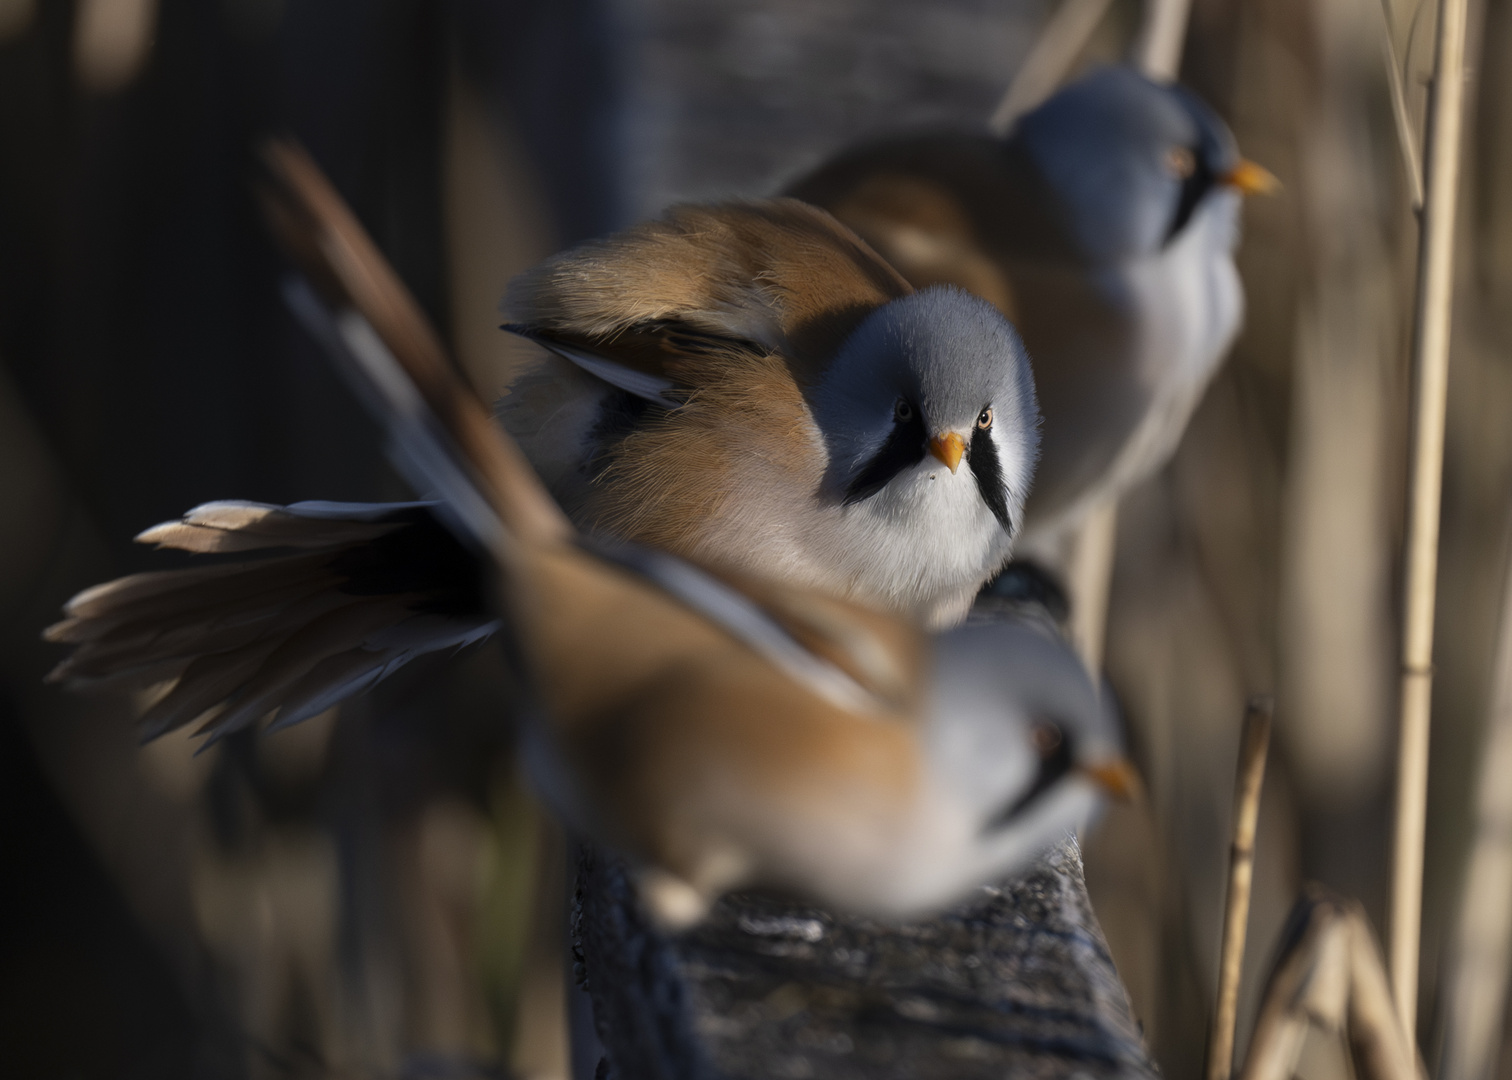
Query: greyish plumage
{"points": [[1104, 226], [758, 390], [720, 729]]}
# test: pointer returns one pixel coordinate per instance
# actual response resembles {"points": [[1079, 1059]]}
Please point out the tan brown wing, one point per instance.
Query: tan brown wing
{"points": [[949, 208], [923, 229], [882, 653], [773, 276]]}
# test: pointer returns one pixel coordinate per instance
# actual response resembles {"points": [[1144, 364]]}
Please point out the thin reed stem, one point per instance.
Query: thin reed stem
{"points": [[1430, 370], [1162, 35], [1254, 745], [1058, 45], [1473, 993], [1412, 166], [1089, 577]]}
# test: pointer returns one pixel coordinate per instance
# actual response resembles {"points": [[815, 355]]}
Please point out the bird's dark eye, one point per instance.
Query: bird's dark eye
{"points": [[1056, 760], [984, 418], [903, 411], [1181, 162], [1047, 739]]}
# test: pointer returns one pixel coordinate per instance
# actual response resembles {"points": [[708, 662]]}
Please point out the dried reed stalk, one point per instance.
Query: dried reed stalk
{"points": [[1089, 576], [1430, 369], [1474, 1000], [1157, 49], [1406, 138], [1045, 67], [1254, 744], [1328, 977]]}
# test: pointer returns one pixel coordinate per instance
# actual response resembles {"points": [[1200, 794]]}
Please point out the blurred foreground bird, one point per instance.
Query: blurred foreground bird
{"points": [[756, 389], [1104, 226], [721, 730]]}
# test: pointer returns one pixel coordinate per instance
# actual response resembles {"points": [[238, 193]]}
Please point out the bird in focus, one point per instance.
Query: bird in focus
{"points": [[748, 385], [721, 729], [1104, 226]]}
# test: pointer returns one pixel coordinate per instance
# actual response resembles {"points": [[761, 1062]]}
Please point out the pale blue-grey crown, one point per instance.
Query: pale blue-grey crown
{"points": [[993, 683], [949, 354], [1102, 148]]}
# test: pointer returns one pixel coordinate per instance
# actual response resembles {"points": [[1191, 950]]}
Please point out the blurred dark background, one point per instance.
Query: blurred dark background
{"points": [[373, 893]]}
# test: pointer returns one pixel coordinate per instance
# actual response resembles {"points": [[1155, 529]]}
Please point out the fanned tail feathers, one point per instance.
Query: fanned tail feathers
{"points": [[349, 593]]}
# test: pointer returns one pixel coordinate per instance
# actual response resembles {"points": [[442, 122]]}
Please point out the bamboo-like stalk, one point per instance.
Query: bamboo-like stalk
{"points": [[1254, 744], [1430, 369], [1054, 50]]}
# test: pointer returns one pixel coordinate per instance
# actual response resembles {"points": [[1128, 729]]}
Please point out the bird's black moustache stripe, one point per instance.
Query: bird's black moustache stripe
{"points": [[1052, 767], [1193, 188], [983, 458], [904, 447]]}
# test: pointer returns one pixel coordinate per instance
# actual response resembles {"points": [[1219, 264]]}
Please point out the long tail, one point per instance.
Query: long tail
{"points": [[345, 594], [355, 305]]}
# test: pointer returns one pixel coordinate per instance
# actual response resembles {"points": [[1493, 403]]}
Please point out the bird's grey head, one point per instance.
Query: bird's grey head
{"points": [[938, 372], [1017, 731], [1128, 160]]}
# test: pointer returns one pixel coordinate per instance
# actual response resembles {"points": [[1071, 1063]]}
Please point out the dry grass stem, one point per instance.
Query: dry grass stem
{"points": [[1328, 976], [1412, 165], [1058, 45], [1254, 745], [1430, 369]]}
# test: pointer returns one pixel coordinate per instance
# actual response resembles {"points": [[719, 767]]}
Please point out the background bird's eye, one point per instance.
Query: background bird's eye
{"points": [[902, 411], [1181, 162], [984, 419], [1047, 739]]}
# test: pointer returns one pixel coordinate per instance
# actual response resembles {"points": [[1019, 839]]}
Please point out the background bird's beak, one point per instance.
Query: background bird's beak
{"points": [[1251, 179], [1117, 777], [948, 448]]}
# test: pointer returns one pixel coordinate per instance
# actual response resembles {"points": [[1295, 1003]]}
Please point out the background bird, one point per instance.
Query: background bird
{"points": [[1104, 225], [723, 730], [756, 389]]}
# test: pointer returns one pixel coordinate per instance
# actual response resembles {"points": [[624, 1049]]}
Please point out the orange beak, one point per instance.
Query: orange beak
{"points": [[1117, 777], [1251, 179], [948, 448]]}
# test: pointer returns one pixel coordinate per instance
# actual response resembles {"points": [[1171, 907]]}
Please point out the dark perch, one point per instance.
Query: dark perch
{"points": [[1017, 981]]}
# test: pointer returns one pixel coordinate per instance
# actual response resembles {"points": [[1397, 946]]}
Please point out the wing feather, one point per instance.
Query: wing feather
{"points": [[367, 588], [248, 526], [777, 275]]}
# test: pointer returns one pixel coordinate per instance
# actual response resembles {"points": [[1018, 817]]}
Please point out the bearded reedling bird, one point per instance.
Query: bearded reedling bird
{"points": [[1104, 225], [748, 385], [721, 730]]}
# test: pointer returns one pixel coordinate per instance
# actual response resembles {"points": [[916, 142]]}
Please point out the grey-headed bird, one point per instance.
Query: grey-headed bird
{"points": [[1104, 225], [748, 385], [720, 729]]}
